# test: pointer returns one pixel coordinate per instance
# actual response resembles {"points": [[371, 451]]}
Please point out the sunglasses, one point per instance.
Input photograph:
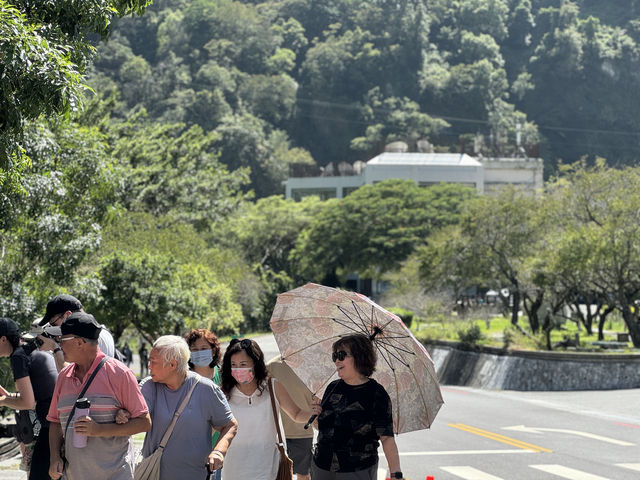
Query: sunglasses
{"points": [[245, 343], [340, 355]]}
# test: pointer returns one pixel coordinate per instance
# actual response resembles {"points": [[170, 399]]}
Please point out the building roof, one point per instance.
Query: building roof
{"points": [[412, 158]]}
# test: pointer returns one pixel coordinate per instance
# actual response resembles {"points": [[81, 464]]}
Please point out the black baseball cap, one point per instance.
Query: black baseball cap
{"points": [[8, 328], [81, 324], [60, 304]]}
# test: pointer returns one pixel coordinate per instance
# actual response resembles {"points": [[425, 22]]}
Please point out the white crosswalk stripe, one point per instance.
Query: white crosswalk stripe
{"points": [[566, 472], [469, 473], [630, 466]]}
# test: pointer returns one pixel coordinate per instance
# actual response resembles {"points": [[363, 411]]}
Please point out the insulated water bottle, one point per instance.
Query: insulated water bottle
{"points": [[82, 410]]}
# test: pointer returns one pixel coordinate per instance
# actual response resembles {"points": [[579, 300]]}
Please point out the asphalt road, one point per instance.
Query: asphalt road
{"points": [[494, 435]]}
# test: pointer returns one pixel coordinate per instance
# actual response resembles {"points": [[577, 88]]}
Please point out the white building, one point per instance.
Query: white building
{"points": [[484, 174]]}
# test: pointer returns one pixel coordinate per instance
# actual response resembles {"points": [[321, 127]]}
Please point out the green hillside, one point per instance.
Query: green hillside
{"points": [[299, 81]]}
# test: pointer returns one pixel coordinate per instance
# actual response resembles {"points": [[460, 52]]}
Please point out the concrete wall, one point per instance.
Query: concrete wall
{"points": [[495, 369]]}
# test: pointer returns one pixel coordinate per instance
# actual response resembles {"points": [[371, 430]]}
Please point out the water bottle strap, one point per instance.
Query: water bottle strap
{"points": [[84, 390]]}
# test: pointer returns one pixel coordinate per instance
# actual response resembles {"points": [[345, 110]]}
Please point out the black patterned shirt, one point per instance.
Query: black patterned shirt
{"points": [[353, 419]]}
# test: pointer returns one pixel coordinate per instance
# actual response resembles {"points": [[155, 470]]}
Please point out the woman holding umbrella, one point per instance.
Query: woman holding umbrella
{"points": [[356, 415]]}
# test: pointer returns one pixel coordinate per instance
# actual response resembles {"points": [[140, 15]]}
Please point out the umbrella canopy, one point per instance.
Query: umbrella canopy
{"points": [[306, 321]]}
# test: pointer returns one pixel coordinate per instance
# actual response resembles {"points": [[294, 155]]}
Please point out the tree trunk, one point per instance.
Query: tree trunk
{"points": [[532, 310], [631, 320], [601, 321], [515, 307]]}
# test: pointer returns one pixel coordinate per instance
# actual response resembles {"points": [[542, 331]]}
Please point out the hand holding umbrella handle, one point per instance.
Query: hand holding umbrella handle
{"points": [[316, 408]]}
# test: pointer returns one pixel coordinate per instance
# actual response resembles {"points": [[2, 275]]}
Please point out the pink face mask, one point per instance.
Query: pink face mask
{"points": [[242, 375]]}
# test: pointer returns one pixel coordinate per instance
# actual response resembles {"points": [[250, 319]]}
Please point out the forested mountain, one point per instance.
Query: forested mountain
{"points": [[334, 80]]}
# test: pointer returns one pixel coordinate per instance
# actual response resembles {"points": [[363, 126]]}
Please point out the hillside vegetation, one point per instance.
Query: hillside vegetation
{"points": [[301, 80]]}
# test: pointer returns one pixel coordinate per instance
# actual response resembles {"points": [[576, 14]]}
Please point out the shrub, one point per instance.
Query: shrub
{"points": [[470, 334], [405, 315]]}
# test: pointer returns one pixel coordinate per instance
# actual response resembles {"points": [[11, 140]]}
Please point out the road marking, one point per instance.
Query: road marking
{"points": [[499, 438], [630, 425], [469, 473], [593, 436], [462, 452], [566, 472], [630, 466]]}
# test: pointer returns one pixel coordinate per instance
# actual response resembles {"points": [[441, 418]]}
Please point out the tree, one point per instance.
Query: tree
{"points": [[175, 171], [48, 230], [605, 205], [375, 228], [495, 239], [391, 119], [45, 51], [264, 234], [155, 253]]}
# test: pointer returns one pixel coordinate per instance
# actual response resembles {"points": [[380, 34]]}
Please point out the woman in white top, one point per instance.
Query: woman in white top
{"points": [[254, 453]]}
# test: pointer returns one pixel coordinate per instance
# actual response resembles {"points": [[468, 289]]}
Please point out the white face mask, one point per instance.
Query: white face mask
{"points": [[201, 358]]}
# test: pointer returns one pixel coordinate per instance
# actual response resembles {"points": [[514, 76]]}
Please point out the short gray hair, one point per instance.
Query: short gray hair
{"points": [[172, 347]]}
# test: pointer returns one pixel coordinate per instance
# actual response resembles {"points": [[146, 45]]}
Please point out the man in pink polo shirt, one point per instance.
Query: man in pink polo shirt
{"points": [[114, 387]]}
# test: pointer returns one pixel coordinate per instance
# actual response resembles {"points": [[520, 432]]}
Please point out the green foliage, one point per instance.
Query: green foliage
{"points": [[375, 228], [264, 234], [175, 171], [470, 334], [44, 51], [405, 315], [49, 228]]}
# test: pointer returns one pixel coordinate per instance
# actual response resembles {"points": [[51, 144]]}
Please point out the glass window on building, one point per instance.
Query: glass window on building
{"points": [[322, 193]]}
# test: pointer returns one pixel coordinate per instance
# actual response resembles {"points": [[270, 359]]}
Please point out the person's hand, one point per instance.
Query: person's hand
{"points": [[3, 392], [316, 409], [56, 468], [86, 426], [215, 460], [122, 416], [48, 345]]}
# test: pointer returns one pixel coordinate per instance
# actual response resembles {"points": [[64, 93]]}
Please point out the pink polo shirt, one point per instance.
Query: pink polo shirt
{"points": [[114, 387]]}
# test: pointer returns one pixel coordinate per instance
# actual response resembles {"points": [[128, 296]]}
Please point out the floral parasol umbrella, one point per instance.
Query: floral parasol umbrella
{"points": [[306, 321]]}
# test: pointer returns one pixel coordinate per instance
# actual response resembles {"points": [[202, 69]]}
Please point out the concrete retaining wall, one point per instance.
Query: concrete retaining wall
{"points": [[496, 369]]}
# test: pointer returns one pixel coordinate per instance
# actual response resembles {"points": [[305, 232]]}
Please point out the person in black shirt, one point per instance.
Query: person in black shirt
{"points": [[356, 414], [35, 376]]}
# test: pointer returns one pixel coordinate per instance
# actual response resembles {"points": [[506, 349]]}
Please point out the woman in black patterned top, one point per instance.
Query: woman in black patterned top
{"points": [[356, 415]]}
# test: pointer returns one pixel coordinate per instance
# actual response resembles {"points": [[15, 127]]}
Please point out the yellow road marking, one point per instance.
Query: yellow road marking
{"points": [[499, 438]]}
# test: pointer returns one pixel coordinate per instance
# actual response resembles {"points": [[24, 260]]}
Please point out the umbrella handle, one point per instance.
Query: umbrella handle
{"points": [[310, 421]]}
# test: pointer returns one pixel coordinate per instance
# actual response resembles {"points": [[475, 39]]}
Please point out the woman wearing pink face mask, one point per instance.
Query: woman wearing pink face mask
{"points": [[254, 453]]}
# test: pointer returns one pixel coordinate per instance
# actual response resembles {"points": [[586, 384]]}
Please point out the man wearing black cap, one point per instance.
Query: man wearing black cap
{"points": [[35, 376], [58, 309], [113, 387]]}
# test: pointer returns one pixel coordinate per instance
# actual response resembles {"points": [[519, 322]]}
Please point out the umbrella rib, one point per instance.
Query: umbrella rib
{"points": [[391, 345], [348, 325], [345, 313], [388, 350], [311, 345]]}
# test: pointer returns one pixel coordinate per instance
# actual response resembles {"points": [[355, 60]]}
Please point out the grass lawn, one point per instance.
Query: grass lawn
{"points": [[492, 331]]}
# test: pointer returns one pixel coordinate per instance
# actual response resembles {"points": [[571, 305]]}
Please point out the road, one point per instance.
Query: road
{"points": [[495, 435]]}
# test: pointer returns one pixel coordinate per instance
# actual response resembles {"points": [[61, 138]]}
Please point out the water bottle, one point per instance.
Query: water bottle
{"points": [[82, 410]]}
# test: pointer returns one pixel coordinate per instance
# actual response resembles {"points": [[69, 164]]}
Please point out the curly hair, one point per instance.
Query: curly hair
{"points": [[259, 368], [364, 354], [210, 338]]}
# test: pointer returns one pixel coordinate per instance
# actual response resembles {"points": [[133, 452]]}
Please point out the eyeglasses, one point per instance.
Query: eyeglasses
{"points": [[60, 339], [340, 355], [245, 343]]}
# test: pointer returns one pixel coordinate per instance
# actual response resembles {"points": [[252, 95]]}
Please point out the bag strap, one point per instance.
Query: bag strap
{"points": [[275, 415], [176, 414], [84, 390]]}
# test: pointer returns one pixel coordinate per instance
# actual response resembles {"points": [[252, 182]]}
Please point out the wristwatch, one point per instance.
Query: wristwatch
{"points": [[397, 475]]}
